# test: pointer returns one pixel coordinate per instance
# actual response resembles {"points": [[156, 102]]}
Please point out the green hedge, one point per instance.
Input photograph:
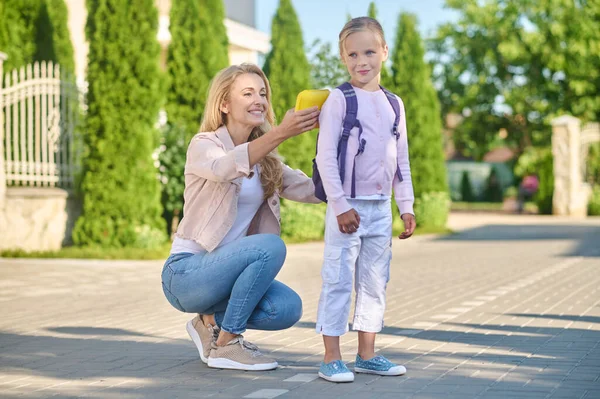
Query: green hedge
{"points": [[594, 204], [432, 210], [302, 222]]}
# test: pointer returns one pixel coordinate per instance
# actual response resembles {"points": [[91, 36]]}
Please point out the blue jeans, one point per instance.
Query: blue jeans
{"points": [[236, 283]]}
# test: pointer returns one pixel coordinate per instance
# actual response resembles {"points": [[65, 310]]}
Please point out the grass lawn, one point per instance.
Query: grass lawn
{"points": [[93, 253], [530, 207]]}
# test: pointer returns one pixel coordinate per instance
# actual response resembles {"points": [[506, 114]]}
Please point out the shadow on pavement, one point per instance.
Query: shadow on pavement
{"points": [[587, 237], [96, 331]]}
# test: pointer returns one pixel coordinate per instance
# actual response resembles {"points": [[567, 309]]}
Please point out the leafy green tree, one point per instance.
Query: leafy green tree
{"points": [[121, 193], [411, 81], [288, 70], [198, 50], [521, 61]]}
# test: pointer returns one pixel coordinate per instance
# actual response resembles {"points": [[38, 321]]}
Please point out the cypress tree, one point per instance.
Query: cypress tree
{"points": [[35, 30], [53, 42], [466, 189], [121, 194], [385, 72], [17, 31], [411, 81], [288, 70], [198, 50]]}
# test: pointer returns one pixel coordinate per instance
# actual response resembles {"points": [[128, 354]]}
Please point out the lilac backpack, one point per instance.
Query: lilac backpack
{"points": [[350, 122]]}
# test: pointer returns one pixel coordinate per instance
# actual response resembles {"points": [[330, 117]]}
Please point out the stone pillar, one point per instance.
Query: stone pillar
{"points": [[3, 58], [570, 192]]}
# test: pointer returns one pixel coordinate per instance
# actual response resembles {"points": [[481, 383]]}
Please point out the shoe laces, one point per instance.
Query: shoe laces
{"points": [[248, 346]]}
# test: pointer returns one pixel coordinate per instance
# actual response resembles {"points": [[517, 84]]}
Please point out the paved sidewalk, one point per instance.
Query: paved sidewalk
{"points": [[508, 308]]}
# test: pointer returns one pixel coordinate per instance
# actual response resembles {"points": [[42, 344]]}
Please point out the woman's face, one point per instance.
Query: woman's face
{"points": [[247, 103]]}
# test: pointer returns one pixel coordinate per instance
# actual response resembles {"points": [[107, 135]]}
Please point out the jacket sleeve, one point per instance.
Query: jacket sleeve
{"points": [[209, 160], [330, 122], [297, 186], [403, 190]]}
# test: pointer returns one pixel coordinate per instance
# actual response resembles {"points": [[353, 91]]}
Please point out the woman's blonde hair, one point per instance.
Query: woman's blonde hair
{"points": [[219, 91], [360, 24]]}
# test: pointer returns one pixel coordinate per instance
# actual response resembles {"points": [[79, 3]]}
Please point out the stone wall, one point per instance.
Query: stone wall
{"points": [[37, 219]]}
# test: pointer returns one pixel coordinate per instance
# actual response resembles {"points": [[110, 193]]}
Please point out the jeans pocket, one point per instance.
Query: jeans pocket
{"points": [[332, 260]]}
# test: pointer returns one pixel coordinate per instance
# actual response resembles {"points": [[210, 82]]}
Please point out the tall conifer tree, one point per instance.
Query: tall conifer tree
{"points": [[121, 193], [288, 70], [412, 82], [198, 50]]}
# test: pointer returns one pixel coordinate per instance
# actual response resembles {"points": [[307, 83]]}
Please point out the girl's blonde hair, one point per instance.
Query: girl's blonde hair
{"points": [[360, 24], [271, 175]]}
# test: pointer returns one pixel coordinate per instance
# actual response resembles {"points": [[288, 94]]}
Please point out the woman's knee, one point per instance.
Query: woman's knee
{"points": [[274, 248], [288, 309], [295, 305]]}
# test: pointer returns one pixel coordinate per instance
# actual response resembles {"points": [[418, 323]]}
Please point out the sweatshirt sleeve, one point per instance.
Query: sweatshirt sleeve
{"points": [[403, 190], [330, 122]]}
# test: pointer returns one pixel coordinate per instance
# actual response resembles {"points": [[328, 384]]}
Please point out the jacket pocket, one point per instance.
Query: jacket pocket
{"points": [[332, 263]]}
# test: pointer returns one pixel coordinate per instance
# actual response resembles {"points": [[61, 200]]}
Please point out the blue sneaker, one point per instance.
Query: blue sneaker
{"points": [[335, 371], [378, 365]]}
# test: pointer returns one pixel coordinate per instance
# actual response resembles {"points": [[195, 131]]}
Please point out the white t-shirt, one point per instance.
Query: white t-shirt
{"points": [[250, 199]]}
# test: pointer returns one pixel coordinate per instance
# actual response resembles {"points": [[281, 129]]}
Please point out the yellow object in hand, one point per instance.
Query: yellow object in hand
{"points": [[310, 98]]}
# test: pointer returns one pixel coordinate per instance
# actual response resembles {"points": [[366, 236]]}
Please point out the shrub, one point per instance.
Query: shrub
{"points": [[432, 210], [172, 152]]}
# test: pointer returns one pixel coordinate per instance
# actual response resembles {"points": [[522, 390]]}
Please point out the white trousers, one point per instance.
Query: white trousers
{"points": [[364, 257]]}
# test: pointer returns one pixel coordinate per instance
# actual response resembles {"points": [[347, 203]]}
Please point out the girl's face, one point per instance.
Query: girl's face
{"points": [[364, 54], [247, 103]]}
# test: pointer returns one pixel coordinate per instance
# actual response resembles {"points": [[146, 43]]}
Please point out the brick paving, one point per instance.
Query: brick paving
{"points": [[507, 308]]}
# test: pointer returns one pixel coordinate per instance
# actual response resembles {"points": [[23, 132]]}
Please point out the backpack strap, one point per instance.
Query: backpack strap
{"points": [[396, 106], [350, 122]]}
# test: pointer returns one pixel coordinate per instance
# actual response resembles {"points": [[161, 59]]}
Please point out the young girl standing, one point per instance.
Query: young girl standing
{"points": [[358, 228]]}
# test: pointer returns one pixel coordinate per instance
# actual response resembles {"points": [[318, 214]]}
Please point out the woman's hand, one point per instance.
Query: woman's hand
{"points": [[297, 122], [348, 222], [409, 226]]}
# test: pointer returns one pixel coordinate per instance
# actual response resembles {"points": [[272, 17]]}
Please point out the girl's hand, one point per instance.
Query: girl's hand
{"points": [[348, 222], [296, 122], [409, 226]]}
